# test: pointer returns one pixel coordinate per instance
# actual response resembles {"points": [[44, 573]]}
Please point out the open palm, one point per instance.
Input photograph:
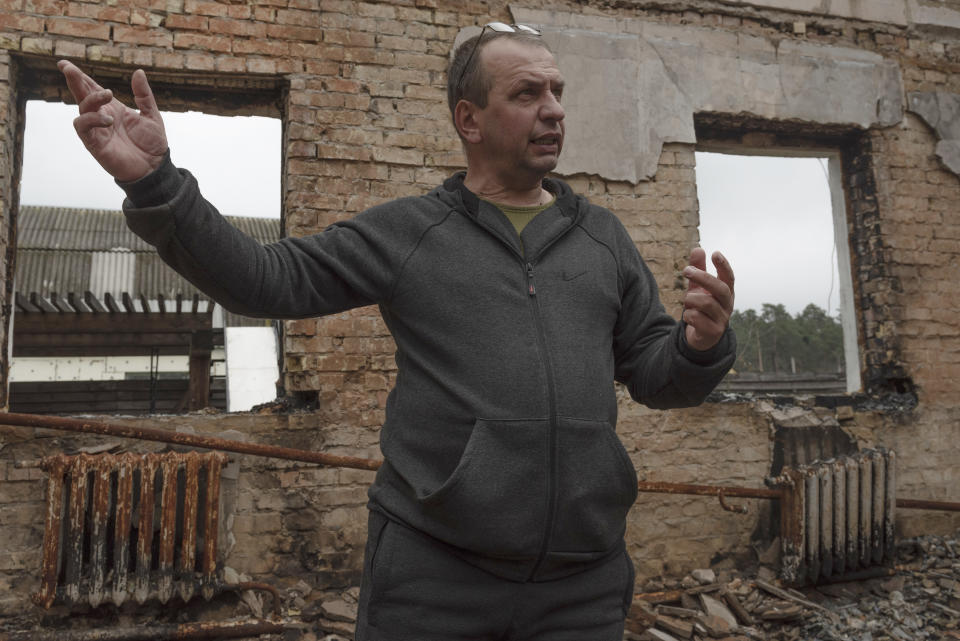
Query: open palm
{"points": [[128, 143]]}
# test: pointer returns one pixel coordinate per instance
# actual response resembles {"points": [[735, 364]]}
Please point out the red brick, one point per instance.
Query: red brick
{"points": [[342, 152], [375, 10], [265, 14], [409, 14], [398, 156], [141, 36], [320, 51], [341, 85], [290, 66], [246, 28], [402, 43], [341, 117], [301, 149], [287, 32], [78, 28], [201, 41], [368, 55], [322, 67], [337, 6], [421, 61], [20, 22], [180, 21], [350, 38], [45, 7], [298, 18], [204, 8], [112, 14], [262, 47], [423, 31]]}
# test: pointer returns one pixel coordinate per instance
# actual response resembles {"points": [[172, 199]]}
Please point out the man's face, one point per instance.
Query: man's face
{"points": [[522, 124]]}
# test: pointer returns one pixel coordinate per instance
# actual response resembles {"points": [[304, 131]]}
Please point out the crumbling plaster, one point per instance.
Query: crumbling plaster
{"points": [[941, 110], [649, 79], [919, 13]]}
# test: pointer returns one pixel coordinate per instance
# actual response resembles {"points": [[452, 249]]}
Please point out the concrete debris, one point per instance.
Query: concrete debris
{"points": [[920, 601], [704, 576]]}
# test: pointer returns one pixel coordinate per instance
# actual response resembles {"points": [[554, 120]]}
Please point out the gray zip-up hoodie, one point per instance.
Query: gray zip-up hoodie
{"points": [[499, 435]]}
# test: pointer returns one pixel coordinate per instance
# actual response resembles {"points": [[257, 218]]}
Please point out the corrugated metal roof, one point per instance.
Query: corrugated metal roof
{"points": [[67, 250], [103, 230], [52, 271]]}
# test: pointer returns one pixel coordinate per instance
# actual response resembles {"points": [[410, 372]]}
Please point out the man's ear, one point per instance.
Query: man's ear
{"points": [[465, 118]]}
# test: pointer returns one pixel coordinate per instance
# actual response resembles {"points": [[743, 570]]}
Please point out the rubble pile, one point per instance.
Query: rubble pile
{"points": [[918, 599]]}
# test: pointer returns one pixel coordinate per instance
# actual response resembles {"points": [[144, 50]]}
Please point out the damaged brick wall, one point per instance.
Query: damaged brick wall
{"points": [[10, 136], [360, 86]]}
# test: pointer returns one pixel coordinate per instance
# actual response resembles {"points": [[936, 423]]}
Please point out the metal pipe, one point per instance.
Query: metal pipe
{"points": [[708, 490], [166, 436], [760, 493], [306, 456], [919, 504], [160, 632]]}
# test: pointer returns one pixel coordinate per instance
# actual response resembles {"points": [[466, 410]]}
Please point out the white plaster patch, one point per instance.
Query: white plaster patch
{"points": [[649, 79], [941, 110]]}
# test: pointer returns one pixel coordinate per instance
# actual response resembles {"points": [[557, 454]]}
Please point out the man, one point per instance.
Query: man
{"points": [[500, 510]]}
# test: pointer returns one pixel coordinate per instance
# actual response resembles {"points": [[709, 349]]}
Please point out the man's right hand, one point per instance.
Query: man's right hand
{"points": [[127, 143]]}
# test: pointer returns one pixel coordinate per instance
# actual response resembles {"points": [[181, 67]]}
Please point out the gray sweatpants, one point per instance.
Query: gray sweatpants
{"points": [[415, 589]]}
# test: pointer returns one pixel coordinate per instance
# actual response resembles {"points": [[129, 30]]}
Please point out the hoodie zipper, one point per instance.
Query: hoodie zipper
{"points": [[553, 428]]}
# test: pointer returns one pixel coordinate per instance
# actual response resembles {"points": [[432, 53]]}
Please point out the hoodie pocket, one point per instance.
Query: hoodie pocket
{"points": [[495, 501], [597, 487]]}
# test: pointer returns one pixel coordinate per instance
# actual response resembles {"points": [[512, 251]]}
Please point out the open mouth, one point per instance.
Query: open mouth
{"points": [[548, 140]]}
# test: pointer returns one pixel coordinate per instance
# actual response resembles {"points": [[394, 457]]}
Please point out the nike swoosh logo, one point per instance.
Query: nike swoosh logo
{"points": [[571, 275]]}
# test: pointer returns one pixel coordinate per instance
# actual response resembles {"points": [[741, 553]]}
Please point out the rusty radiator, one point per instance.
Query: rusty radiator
{"points": [[128, 525], [837, 516]]}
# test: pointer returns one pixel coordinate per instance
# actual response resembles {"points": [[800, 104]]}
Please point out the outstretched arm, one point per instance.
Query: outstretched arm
{"points": [[128, 143], [708, 303]]}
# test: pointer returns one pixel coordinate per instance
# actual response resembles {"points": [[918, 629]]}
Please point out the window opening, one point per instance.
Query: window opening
{"points": [[79, 243], [781, 222]]}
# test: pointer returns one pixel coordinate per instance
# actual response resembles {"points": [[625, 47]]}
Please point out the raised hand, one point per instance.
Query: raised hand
{"points": [[708, 303], [128, 143]]}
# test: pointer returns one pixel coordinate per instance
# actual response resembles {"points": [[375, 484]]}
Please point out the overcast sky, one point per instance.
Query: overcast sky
{"points": [[236, 159], [771, 217]]}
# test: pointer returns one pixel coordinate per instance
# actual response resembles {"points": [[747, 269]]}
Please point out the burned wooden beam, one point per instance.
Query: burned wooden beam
{"points": [[93, 302], [77, 303], [41, 303], [112, 303]]}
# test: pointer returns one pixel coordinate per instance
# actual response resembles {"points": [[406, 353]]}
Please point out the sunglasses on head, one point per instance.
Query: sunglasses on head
{"points": [[494, 26]]}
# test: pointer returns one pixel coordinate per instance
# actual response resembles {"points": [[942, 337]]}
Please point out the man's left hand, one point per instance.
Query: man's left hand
{"points": [[708, 303]]}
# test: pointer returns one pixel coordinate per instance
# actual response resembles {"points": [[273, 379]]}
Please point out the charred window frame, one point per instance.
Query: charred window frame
{"points": [[871, 352]]}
